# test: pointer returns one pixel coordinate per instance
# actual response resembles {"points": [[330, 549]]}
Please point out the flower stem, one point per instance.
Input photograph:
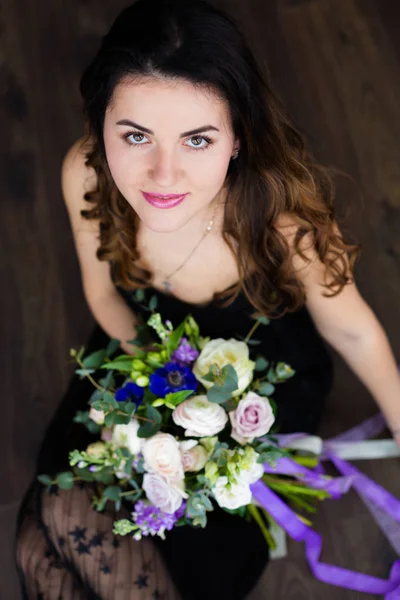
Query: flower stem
{"points": [[252, 330]]}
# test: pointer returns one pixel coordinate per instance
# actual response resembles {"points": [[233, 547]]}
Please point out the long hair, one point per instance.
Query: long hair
{"points": [[274, 173]]}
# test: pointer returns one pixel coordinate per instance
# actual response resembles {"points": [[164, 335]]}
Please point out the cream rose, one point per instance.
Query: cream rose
{"points": [[200, 417], [232, 495], [252, 418], [162, 455], [161, 493], [194, 456], [225, 352], [126, 436]]}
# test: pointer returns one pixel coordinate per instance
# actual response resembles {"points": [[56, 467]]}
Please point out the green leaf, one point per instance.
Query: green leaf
{"points": [[221, 393], [45, 479], [177, 397], [121, 419], [109, 419], [284, 371], [148, 429], [153, 303], [266, 388], [105, 476], [253, 342], [112, 492], [65, 480], [139, 295], [81, 417], [84, 372], [175, 337], [261, 364], [94, 360], [93, 427], [84, 474], [124, 365], [112, 347], [218, 395]]}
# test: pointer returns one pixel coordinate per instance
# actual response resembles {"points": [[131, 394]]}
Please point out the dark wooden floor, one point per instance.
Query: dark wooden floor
{"points": [[336, 65]]}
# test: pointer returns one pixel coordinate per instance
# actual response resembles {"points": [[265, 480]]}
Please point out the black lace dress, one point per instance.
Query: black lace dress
{"points": [[66, 550]]}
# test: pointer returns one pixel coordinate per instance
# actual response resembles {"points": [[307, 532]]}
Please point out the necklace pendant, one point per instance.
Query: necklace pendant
{"points": [[167, 285]]}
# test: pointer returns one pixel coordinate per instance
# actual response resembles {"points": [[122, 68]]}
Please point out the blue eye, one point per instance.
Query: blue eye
{"points": [[136, 134]]}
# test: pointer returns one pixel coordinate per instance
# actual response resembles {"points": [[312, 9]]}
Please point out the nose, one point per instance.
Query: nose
{"points": [[165, 169]]}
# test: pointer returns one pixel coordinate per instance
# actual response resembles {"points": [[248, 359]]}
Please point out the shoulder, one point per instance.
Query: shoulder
{"points": [[76, 176]]}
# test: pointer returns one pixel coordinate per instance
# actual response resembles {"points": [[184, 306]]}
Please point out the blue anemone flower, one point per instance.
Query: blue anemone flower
{"points": [[130, 392], [172, 378]]}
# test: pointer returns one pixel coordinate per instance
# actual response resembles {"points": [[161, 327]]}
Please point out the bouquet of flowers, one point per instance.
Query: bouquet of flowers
{"points": [[185, 427]]}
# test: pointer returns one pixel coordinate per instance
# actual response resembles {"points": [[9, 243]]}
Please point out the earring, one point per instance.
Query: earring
{"points": [[236, 154]]}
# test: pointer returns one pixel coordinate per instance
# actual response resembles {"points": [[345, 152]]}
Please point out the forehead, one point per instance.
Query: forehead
{"points": [[175, 105]]}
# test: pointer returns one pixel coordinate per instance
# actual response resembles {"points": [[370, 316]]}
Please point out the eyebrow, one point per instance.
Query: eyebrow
{"points": [[185, 134]]}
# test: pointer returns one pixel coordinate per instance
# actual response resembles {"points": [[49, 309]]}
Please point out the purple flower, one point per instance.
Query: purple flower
{"points": [[152, 520], [185, 353], [172, 378], [130, 392]]}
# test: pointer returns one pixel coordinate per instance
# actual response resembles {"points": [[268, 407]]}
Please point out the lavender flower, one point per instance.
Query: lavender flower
{"points": [[185, 354], [153, 521]]}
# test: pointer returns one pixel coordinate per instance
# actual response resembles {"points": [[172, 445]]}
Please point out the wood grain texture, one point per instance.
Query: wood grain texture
{"points": [[336, 67]]}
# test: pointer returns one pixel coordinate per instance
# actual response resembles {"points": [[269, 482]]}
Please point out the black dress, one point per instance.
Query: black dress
{"points": [[65, 549]]}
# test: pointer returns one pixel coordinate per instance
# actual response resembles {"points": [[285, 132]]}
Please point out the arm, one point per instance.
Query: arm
{"points": [[107, 306], [116, 318], [350, 326]]}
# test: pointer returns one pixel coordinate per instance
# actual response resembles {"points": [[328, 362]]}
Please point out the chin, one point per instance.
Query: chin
{"points": [[162, 222]]}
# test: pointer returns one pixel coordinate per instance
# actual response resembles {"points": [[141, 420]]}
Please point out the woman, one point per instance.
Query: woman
{"points": [[193, 185]]}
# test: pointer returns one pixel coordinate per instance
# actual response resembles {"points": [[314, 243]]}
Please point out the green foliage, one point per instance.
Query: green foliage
{"points": [[225, 384], [152, 425], [265, 389], [45, 479], [261, 364], [119, 364], [94, 360], [65, 480], [175, 337], [176, 398]]}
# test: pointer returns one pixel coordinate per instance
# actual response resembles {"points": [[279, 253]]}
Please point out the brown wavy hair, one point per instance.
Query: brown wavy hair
{"points": [[274, 174]]}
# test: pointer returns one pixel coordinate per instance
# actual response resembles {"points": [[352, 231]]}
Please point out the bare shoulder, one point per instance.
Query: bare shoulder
{"points": [[76, 176]]}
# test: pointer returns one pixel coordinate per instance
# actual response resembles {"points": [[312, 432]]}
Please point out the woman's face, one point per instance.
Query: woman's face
{"points": [[168, 159]]}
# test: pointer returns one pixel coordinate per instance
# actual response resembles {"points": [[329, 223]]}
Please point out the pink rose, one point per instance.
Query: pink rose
{"points": [[252, 418]]}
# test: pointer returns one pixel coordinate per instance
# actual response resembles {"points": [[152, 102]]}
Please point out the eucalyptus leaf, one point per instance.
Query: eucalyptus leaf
{"points": [[263, 320], [112, 492], [261, 364], [266, 388], [148, 429], [65, 480], [153, 303], [109, 419], [122, 419], [139, 295], [45, 479], [84, 372]]}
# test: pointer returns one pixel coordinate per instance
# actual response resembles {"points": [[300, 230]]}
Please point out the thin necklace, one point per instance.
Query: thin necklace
{"points": [[166, 282]]}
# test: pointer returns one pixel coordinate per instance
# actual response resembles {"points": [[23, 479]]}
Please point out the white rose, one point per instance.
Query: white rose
{"points": [[96, 415], [126, 436], [232, 497], [194, 456], [253, 473], [161, 493], [200, 417], [162, 455], [225, 352]]}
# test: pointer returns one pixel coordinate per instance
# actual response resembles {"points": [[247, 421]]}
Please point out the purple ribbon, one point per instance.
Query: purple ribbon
{"points": [[384, 507]]}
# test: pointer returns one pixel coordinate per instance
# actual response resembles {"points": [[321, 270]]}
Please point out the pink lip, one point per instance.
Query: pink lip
{"points": [[167, 201]]}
